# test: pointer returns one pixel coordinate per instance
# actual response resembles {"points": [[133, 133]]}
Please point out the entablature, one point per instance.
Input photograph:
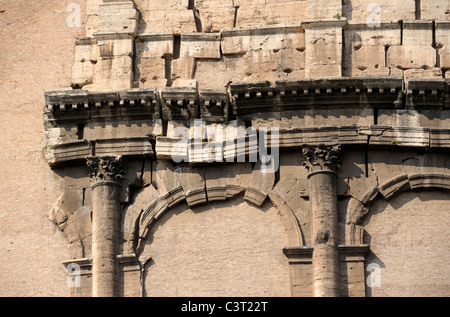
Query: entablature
{"points": [[140, 121]]}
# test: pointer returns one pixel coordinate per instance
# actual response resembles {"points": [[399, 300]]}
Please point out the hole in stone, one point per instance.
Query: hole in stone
{"points": [[176, 46]]}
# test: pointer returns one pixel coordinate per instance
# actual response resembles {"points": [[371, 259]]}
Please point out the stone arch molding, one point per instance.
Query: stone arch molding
{"points": [[358, 209], [196, 186]]}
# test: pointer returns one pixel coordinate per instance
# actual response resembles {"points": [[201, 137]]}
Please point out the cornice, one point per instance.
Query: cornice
{"points": [[69, 109]]}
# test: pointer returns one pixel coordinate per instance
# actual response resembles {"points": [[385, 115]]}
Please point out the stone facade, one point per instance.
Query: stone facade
{"points": [[227, 148]]}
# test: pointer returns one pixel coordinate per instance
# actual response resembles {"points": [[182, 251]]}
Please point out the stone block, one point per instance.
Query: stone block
{"points": [[264, 38], [364, 50], [403, 137], [59, 135], [151, 72], [155, 45], [215, 16], [324, 48], [168, 5], [200, 45], [236, 177], [285, 12], [442, 33], [216, 187], [360, 34], [166, 182], [118, 17], [136, 146], [175, 20], [178, 22], [256, 13], [435, 10], [432, 119], [417, 33], [314, 118], [323, 9], [193, 182], [68, 203], [215, 74], [407, 57], [444, 55], [70, 151], [172, 149], [261, 183], [352, 168], [122, 129], [183, 68], [113, 70], [387, 168], [370, 12], [439, 138], [85, 58]]}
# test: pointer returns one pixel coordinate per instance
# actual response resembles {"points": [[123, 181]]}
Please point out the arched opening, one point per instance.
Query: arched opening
{"points": [[229, 248]]}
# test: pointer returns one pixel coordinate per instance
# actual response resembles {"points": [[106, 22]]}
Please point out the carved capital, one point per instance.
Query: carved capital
{"points": [[322, 157], [105, 168]]}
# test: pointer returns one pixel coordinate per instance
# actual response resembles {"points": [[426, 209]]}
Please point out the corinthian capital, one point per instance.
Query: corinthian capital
{"points": [[105, 168], [322, 157]]}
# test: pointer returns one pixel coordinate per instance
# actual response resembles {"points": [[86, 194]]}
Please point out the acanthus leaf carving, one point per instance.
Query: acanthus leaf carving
{"points": [[105, 168], [322, 157]]}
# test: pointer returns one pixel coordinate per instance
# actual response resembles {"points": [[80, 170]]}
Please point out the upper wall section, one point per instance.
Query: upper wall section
{"points": [[210, 43]]}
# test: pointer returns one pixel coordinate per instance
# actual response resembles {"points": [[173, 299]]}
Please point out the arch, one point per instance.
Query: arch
{"points": [[138, 221], [226, 247], [358, 209]]}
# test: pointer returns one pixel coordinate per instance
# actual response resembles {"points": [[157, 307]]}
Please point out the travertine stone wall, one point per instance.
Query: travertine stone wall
{"points": [[367, 75], [285, 39]]}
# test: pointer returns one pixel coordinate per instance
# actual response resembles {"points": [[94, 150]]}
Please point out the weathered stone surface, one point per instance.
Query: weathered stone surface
{"points": [[117, 17], [368, 11], [215, 16], [407, 57], [365, 48], [255, 13], [403, 137], [128, 129], [114, 64], [435, 10], [323, 9], [200, 45], [260, 185], [314, 118], [85, 58], [433, 119], [324, 48], [193, 182], [260, 58]]}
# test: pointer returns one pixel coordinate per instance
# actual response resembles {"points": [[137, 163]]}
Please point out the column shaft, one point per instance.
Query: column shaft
{"points": [[105, 224], [105, 234], [321, 161], [325, 234]]}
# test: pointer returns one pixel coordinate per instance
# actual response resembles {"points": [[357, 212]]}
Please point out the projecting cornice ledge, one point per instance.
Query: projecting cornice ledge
{"points": [[130, 122]]}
